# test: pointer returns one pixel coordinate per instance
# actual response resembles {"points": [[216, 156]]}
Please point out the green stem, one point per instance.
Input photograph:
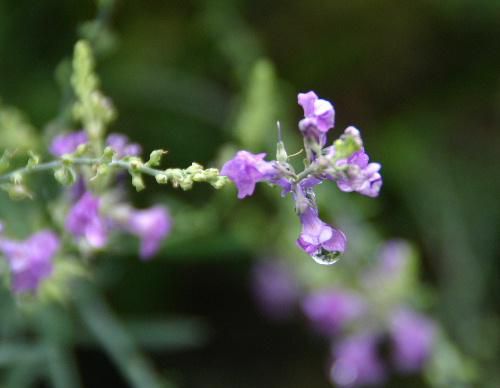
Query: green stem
{"points": [[177, 177], [76, 161], [312, 169]]}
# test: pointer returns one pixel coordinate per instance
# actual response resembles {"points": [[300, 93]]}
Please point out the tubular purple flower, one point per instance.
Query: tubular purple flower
{"points": [[412, 336], [247, 169], [356, 362], [30, 261], [151, 226], [319, 116], [275, 289], [67, 143], [329, 311], [84, 220], [359, 175], [120, 143], [319, 239]]}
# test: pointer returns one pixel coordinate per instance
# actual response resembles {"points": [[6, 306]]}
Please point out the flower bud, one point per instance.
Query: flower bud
{"points": [[135, 164], [108, 154], [65, 176], [161, 179], [17, 191], [281, 155], [155, 158], [186, 183], [138, 182], [34, 159]]}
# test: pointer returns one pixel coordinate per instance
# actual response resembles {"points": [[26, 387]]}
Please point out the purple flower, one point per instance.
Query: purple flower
{"points": [[67, 143], [356, 362], [120, 143], [246, 169], [84, 220], [30, 260], [319, 116], [359, 175], [391, 267], [319, 239], [151, 226], [274, 288], [331, 310], [412, 337]]}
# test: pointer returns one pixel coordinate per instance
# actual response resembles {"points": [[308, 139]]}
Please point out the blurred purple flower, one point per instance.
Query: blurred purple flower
{"points": [[275, 289], [318, 238], [84, 220], [392, 262], [30, 261], [67, 143], [356, 362], [151, 226], [331, 310], [120, 143], [319, 117], [359, 175], [412, 337], [246, 169]]}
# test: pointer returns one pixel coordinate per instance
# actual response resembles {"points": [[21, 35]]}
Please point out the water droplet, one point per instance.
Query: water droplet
{"points": [[324, 257]]}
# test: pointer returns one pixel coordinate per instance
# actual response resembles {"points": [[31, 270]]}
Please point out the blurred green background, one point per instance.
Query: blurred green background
{"points": [[421, 79]]}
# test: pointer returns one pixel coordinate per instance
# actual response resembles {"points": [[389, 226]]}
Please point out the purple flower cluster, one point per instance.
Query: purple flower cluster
{"points": [[357, 359], [30, 261], [344, 162], [90, 220], [91, 224], [351, 319]]}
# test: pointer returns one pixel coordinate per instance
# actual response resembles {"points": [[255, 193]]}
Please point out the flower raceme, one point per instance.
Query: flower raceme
{"points": [[344, 162]]}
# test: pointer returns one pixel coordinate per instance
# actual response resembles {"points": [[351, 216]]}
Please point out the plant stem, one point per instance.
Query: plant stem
{"points": [[76, 161]]}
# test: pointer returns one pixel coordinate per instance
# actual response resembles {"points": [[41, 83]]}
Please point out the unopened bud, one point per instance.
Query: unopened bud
{"points": [[161, 179], [65, 176], [155, 157], [17, 191], [108, 154], [33, 160], [138, 182], [281, 155]]}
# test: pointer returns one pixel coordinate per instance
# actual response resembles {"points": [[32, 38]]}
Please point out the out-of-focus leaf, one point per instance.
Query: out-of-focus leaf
{"points": [[255, 126]]}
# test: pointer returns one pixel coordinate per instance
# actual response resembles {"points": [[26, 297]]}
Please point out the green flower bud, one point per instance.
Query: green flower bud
{"points": [[220, 182], [108, 154], [135, 164], [82, 149], [17, 191], [138, 182], [33, 160], [281, 155], [161, 179], [65, 176], [155, 158], [186, 183]]}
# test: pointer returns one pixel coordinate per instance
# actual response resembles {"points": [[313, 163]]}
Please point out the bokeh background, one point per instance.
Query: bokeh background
{"points": [[421, 79]]}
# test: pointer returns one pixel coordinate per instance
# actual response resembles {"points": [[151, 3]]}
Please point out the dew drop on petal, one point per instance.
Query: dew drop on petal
{"points": [[324, 257]]}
